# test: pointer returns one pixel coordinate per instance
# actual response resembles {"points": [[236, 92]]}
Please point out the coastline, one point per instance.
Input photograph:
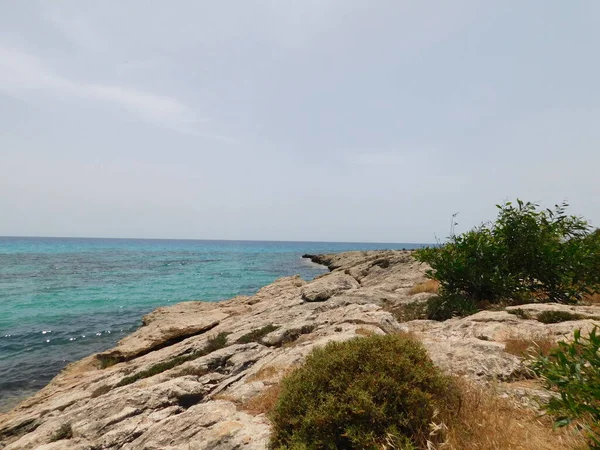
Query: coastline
{"points": [[189, 376]]}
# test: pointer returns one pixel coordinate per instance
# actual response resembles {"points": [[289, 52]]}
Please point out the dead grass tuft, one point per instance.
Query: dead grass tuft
{"points": [[364, 331], [529, 346], [592, 299], [264, 402], [224, 396], [486, 421], [268, 372], [430, 286]]}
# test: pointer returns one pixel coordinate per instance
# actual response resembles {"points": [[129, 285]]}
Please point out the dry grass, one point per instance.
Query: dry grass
{"points": [[592, 299], [430, 286], [486, 421], [269, 372], [364, 331], [529, 346], [264, 402], [225, 396]]}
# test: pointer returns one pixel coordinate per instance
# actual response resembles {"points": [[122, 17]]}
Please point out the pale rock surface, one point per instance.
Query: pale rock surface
{"points": [[200, 404]]}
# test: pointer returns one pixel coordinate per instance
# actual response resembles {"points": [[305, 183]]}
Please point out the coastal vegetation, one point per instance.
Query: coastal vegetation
{"points": [[527, 255], [370, 393], [572, 370], [378, 392]]}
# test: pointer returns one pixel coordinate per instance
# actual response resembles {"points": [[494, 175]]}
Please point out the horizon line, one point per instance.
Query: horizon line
{"points": [[222, 240]]}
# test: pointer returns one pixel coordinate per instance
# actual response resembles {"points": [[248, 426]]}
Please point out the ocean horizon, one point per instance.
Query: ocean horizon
{"points": [[62, 299]]}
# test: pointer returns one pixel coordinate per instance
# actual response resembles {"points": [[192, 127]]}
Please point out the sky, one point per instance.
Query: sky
{"points": [[322, 120]]}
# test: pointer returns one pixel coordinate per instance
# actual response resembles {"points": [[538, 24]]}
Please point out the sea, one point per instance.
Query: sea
{"points": [[62, 299]]}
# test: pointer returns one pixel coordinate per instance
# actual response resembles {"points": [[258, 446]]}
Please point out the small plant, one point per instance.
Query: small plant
{"points": [[64, 432], [520, 313], [573, 371], [256, 335], [214, 343], [557, 316], [369, 393]]}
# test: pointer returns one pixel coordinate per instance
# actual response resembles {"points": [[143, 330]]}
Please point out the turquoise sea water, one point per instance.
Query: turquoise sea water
{"points": [[62, 299]]}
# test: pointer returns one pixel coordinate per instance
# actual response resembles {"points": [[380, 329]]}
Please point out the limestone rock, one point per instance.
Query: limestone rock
{"points": [[200, 403], [326, 287]]}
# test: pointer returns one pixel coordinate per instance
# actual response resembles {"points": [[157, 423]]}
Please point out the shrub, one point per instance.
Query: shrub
{"points": [[365, 393], [573, 371], [557, 316], [526, 254]]}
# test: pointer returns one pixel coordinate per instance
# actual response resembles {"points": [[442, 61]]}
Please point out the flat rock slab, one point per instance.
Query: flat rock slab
{"points": [[164, 327], [326, 287]]}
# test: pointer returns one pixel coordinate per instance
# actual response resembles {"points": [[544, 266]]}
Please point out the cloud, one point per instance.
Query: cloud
{"points": [[22, 74]]}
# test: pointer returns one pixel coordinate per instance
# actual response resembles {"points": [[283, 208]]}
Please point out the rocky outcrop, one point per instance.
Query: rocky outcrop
{"points": [[176, 384], [324, 288]]}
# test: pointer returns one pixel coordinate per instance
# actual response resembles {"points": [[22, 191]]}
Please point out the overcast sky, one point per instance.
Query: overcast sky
{"points": [[334, 120]]}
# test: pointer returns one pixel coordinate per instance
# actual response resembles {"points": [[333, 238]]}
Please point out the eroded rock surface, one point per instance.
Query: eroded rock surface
{"points": [[157, 389]]}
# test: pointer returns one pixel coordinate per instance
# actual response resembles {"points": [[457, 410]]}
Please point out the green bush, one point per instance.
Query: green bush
{"points": [[573, 371], [526, 254], [367, 393]]}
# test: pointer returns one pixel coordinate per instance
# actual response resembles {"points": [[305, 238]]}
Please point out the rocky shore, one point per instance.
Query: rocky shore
{"points": [[188, 377]]}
